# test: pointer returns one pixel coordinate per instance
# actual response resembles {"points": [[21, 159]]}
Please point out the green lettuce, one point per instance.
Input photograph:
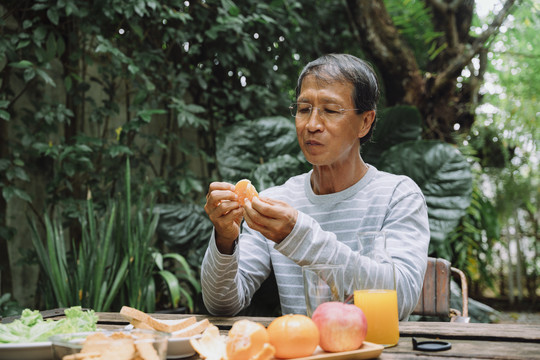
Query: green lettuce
{"points": [[32, 328]]}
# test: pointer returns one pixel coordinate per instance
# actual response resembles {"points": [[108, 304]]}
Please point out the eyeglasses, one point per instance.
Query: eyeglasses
{"points": [[327, 111]]}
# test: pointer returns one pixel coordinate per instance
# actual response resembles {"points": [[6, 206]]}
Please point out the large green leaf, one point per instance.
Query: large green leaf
{"points": [[276, 171], [443, 174], [185, 229], [244, 146], [394, 125]]}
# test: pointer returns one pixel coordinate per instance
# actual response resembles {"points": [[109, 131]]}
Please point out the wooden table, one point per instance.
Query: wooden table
{"points": [[469, 341]]}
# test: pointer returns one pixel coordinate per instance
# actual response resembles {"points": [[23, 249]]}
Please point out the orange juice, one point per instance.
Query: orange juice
{"points": [[381, 310]]}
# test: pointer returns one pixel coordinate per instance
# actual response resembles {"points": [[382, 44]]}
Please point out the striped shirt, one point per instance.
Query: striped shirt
{"points": [[325, 233]]}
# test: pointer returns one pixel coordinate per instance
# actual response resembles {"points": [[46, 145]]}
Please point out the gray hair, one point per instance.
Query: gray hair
{"points": [[348, 68]]}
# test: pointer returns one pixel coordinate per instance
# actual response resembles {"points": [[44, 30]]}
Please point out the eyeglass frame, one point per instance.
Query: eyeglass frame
{"points": [[311, 107]]}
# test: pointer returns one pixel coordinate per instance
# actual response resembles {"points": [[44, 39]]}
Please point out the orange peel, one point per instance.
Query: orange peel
{"points": [[211, 345], [247, 340]]}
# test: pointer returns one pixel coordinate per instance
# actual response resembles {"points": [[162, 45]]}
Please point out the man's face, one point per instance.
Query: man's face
{"points": [[325, 141]]}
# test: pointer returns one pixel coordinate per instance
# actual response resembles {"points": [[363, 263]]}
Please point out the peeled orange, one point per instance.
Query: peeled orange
{"points": [[248, 340], [211, 345], [245, 190], [293, 336]]}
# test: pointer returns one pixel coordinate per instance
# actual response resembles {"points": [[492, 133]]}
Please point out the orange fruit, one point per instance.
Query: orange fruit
{"points": [[293, 336], [245, 190], [248, 340]]}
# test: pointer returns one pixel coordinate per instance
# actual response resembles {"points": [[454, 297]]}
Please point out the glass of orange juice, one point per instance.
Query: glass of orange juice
{"points": [[376, 295]]}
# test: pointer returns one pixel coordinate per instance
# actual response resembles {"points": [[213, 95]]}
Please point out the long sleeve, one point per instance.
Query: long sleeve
{"points": [[407, 236], [227, 287], [325, 233]]}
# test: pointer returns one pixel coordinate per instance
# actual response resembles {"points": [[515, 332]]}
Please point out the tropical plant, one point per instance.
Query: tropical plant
{"points": [[115, 262], [91, 273], [506, 139]]}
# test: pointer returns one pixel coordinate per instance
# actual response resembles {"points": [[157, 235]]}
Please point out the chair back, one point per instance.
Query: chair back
{"points": [[435, 297]]}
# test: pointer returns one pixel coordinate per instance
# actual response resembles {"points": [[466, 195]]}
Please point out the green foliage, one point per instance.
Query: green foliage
{"points": [[414, 22], [115, 263], [470, 246], [445, 178], [184, 229], [394, 125], [506, 139], [9, 306], [265, 150], [152, 80], [90, 274], [490, 151]]}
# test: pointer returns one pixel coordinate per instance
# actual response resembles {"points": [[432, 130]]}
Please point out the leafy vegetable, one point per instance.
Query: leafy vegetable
{"points": [[32, 328]]}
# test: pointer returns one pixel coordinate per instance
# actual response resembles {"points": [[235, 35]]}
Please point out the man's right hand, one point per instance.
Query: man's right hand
{"points": [[225, 213]]}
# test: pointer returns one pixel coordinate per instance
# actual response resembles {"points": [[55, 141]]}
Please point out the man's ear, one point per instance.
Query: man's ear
{"points": [[367, 119]]}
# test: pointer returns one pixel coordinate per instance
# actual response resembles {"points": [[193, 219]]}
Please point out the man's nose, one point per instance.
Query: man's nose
{"points": [[315, 119]]}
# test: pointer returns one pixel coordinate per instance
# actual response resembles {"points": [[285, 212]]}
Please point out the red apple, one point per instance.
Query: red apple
{"points": [[342, 327]]}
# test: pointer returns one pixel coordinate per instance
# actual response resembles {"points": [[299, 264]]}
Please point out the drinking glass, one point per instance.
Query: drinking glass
{"points": [[376, 295], [322, 283]]}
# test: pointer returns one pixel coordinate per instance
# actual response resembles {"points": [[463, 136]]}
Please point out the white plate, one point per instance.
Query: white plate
{"points": [[180, 347], [27, 351], [177, 348]]}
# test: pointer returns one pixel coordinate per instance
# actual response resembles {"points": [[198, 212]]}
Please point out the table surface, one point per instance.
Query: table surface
{"points": [[469, 340]]}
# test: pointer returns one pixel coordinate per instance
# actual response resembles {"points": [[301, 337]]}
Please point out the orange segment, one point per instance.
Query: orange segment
{"points": [[266, 353], [245, 190]]}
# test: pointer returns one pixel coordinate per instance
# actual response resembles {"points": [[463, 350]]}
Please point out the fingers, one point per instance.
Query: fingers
{"points": [[269, 207], [224, 210], [220, 193], [274, 219]]}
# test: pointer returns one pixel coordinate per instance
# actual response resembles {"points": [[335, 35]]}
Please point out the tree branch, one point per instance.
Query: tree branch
{"points": [[460, 61], [448, 13], [495, 24], [395, 60], [438, 5]]}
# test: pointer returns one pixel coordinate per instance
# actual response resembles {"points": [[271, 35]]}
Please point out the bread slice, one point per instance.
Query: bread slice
{"points": [[193, 329], [171, 326], [140, 325], [142, 320], [134, 314]]}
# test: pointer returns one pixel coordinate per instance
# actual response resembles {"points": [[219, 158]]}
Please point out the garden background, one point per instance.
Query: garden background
{"points": [[116, 115]]}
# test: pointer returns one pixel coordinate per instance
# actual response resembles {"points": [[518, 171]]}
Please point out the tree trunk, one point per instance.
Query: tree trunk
{"points": [[511, 295], [502, 287], [5, 270], [520, 262], [432, 90]]}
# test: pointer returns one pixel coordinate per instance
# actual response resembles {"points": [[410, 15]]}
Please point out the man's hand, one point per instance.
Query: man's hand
{"points": [[225, 213], [272, 218]]}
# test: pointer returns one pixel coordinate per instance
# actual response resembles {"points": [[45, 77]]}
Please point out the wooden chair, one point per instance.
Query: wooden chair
{"points": [[435, 297]]}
